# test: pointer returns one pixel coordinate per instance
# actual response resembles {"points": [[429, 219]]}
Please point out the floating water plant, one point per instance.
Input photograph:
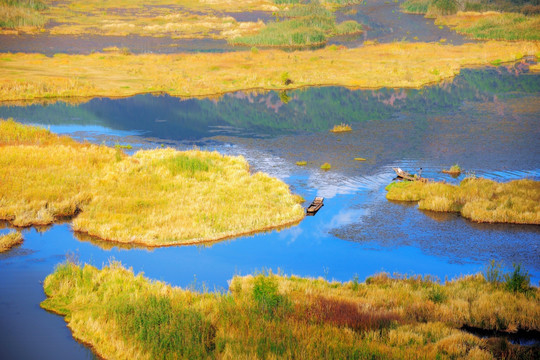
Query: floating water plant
{"points": [[341, 128], [326, 166], [9, 240], [279, 317]]}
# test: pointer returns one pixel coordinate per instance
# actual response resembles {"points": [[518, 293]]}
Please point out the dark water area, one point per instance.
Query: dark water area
{"points": [[86, 44], [486, 120]]}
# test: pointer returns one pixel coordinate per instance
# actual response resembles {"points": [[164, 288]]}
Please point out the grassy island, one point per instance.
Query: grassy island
{"points": [[155, 197], [476, 199], [404, 65], [126, 316], [9, 240]]}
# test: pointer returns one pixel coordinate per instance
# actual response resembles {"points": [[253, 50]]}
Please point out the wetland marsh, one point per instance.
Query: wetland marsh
{"points": [[170, 135], [358, 232]]}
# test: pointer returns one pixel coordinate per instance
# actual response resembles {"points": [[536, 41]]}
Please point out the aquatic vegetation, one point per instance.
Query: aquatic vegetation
{"points": [[303, 25], [478, 20], [454, 170], [341, 128], [406, 65], [494, 25], [271, 316], [477, 199], [21, 14], [9, 240], [326, 166], [155, 197]]}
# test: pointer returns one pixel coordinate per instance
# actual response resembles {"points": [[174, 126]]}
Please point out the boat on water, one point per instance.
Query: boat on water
{"points": [[315, 206]]}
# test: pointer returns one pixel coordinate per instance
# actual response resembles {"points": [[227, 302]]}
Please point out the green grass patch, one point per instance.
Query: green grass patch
{"points": [[182, 164], [302, 25]]}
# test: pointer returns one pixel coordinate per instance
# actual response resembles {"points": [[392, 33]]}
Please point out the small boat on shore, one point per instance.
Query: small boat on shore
{"points": [[315, 206]]}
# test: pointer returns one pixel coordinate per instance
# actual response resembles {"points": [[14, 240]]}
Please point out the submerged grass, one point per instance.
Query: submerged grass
{"points": [[476, 199], [9, 240], [125, 316], [406, 65], [155, 197]]}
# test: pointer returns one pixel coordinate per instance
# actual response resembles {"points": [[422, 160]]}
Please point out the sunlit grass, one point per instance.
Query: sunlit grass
{"points": [[476, 199], [155, 197], [269, 316], [9, 240], [326, 166], [341, 128], [406, 65], [21, 14]]}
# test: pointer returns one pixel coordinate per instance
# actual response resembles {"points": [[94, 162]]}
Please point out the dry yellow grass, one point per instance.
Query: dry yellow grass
{"points": [[9, 240], [173, 18], [476, 199], [267, 316], [405, 65], [155, 197]]}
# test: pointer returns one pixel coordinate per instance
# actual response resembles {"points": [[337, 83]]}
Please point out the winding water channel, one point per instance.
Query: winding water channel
{"points": [[486, 120]]}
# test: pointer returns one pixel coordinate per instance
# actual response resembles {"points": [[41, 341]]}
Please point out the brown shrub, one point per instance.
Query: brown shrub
{"points": [[343, 313]]}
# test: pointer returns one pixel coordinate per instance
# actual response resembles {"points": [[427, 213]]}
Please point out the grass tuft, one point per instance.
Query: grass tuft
{"points": [[326, 166], [341, 128], [9, 240]]}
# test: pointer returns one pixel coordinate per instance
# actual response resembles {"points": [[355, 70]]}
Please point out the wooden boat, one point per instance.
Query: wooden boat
{"points": [[315, 205], [407, 176]]}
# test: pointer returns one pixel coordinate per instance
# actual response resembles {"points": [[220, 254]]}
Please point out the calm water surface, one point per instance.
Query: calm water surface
{"points": [[487, 120]]}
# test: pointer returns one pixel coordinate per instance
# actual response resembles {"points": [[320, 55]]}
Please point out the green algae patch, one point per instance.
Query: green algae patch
{"points": [[154, 198], [126, 316]]}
